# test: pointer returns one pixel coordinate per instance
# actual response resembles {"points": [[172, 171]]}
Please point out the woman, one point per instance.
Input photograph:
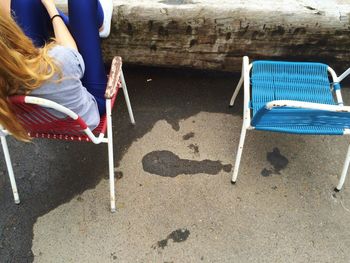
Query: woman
{"points": [[53, 71]]}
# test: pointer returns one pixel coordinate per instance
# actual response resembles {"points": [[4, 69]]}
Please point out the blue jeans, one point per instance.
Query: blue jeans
{"points": [[84, 19]]}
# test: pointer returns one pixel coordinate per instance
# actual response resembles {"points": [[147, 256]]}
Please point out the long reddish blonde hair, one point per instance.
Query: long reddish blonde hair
{"points": [[23, 68]]}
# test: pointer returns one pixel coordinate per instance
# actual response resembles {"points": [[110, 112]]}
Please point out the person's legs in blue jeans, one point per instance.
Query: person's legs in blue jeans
{"points": [[85, 33], [36, 24], [32, 17]]}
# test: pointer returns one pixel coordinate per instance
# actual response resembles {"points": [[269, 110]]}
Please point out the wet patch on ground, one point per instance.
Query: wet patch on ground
{"points": [[50, 173], [194, 148], [174, 123], [168, 164], [114, 256], [266, 172], [117, 175], [278, 162], [188, 136], [177, 236]]}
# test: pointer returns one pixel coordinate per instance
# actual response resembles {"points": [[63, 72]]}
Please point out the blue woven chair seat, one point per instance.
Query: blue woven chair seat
{"points": [[298, 81]]}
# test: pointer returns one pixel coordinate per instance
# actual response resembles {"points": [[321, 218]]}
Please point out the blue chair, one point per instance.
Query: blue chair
{"points": [[292, 97]]}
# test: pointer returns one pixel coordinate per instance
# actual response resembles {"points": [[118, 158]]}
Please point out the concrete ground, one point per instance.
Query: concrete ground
{"points": [[174, 197]]}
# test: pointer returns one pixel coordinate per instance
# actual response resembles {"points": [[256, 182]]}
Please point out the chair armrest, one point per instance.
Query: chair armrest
{"points": [[3, 131], [344, 75], [283, 115], [306, 105], [113, 78], [46, 104]]}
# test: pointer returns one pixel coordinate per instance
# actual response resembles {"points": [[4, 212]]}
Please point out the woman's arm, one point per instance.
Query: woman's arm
{"points": [[5, 7], [62, 34]]}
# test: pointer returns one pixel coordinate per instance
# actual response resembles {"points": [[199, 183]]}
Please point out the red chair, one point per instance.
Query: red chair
{"points": [[38, 117]]}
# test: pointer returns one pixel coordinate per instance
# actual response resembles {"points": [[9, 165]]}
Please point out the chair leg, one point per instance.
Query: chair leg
{"points": [[9, 169], [126, 96], [239, 154], [344, 172], [235, 93], [110, 155]]}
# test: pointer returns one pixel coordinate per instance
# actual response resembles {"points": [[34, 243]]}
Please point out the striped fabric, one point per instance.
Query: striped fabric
{"points": [[298, 81]]}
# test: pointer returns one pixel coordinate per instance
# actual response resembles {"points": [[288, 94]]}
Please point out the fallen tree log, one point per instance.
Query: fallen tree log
{"points": [[208, 34]]}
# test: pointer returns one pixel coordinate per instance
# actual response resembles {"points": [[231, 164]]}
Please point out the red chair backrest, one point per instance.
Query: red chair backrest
{"points": [[39, 120]]}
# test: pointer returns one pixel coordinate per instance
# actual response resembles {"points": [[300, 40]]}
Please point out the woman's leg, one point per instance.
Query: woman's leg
{"points": [[85, 18], [34, 20], [32, 17]]}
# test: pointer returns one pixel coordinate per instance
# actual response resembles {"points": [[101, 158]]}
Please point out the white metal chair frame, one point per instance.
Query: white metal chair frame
{"points": [[247, 113], [116, 73]]}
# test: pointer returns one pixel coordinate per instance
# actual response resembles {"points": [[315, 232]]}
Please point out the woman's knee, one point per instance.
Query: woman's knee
{"points": [[82, 6], [25, 5], [33, 18], [27, 10]]}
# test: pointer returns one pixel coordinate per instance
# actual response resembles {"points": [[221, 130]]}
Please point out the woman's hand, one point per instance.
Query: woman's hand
{"points": [[50, 7], [48, 2], [62, 34], [5, 8]]}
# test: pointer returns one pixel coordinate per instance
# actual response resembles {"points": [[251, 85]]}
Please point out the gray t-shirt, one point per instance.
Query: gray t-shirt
{"points": [[70, 92]]}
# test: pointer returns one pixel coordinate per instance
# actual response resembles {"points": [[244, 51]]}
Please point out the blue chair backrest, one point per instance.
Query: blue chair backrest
{"points": [[301, 81]]}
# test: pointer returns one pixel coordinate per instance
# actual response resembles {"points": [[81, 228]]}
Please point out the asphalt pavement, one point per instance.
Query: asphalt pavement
{"points": [[175, 202]]}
